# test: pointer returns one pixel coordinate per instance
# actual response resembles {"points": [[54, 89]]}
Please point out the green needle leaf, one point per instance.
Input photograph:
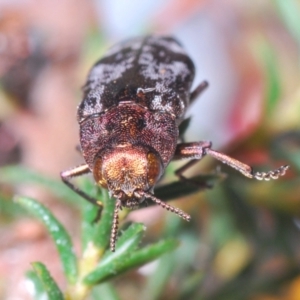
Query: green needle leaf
{"points": [[118, 265], [128, 241], [97, 232], [50, 286], [58, 233], [103, 227], [273, 80], [37, 291], [21, 175], [105, 291]]}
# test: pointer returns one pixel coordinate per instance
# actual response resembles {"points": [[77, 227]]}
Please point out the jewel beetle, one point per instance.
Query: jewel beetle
{"points": [[134, 100]]}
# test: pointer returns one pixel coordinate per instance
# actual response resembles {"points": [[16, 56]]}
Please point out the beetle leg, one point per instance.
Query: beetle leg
{"points": [[198, 90], [78, 171], [197, 150]]}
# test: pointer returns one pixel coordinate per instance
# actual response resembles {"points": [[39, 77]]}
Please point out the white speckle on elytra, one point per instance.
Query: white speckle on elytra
{"points": [[108, 72], [92, 102], [146, 58], [171, 71], [105, 73], [160, 87], [156, 104]]}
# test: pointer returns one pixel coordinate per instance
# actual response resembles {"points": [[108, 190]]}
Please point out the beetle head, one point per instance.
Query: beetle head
{"points": [[126, 169]]}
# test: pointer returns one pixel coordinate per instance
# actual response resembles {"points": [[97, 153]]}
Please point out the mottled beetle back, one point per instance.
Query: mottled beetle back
{"points": [[154, 72]]}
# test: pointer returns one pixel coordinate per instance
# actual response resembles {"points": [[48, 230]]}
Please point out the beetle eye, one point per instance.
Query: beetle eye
{"points": [[154, 168], [98, 174]]}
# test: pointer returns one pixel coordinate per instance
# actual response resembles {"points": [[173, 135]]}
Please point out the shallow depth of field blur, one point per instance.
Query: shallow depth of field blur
{"points": [[244, 238]]}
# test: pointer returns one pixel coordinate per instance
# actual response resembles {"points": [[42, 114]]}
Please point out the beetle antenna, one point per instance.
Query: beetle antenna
{"points": [[115, 226], [173, 209], [273, 174], [245, 169]]}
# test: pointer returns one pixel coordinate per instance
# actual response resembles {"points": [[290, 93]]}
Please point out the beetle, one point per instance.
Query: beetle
{"points": [[134, 100]]}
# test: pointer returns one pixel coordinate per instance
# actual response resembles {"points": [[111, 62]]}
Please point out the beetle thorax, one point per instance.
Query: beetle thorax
{"points": [[127, 168]]}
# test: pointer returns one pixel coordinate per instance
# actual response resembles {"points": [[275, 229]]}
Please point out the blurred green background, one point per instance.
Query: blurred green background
{"points": [[244, 238]]}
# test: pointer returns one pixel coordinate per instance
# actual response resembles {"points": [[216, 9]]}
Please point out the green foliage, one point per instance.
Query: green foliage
{"points": [[58, 233], [51, 288], [38, 291], [105, 265], [124, 260], [97, 264]]}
